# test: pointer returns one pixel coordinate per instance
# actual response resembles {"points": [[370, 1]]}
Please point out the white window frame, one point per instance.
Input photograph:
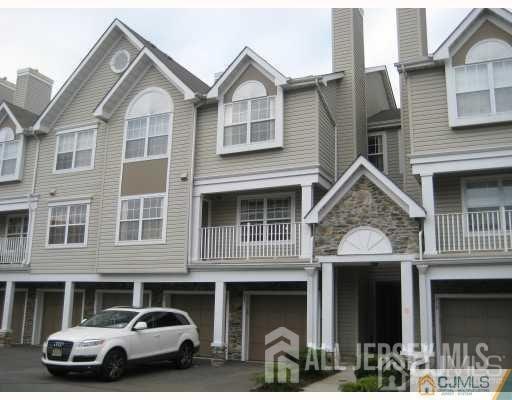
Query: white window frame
{"points": [[269, 144], [493, 116], [139, 241], [384, 149], [75, 131], [265, 197], [20, 141], [67, 203]]}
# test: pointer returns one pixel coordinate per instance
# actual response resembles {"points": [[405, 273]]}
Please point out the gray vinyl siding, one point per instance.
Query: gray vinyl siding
{"points": [[300, 137], [431, 133], [168, 257], [393, 157], [23, 187], [224, 206], [326, 140], [347, 311], [83, 184], [447, 191]]}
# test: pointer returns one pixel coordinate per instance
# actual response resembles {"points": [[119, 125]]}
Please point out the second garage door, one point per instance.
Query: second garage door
{"points": [[51, 318], [200, 309], [18, 313], [268, 312], [478, 320]]}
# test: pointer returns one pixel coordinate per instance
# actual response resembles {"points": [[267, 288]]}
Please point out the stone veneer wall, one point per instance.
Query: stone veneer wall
{"points": [[366, 205]]}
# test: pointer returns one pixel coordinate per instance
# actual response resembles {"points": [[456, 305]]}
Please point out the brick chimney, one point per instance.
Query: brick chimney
{"points": [[348, 56], [412, 34], [33, 90]]}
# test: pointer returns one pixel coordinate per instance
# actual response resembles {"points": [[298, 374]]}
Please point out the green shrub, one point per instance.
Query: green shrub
{"points": [[369, 383]]}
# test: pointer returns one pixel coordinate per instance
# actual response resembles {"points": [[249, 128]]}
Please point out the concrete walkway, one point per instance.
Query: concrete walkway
{"points": [[332, 383]]}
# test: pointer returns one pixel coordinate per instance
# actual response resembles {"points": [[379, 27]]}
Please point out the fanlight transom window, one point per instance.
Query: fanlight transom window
{"points": [[365, 240]]}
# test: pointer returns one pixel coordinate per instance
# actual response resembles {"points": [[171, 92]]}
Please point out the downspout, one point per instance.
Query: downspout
{"points": [[102, 194], [32, 209]]}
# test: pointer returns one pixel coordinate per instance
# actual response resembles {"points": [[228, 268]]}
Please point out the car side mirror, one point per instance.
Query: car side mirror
{"points": [[140, 326]]}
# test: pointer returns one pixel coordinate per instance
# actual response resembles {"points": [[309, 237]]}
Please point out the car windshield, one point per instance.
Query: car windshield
{"points": [[116, 319]]}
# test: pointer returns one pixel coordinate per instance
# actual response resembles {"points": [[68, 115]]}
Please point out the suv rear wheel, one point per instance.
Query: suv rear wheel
{"points": [[185, 356], [114, 365]]}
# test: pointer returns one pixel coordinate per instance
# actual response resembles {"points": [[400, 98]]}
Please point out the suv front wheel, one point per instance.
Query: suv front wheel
{"points": [[114, 366], [185, 356]]}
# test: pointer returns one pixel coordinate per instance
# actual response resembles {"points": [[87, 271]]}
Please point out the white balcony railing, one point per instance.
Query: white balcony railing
{"points": [[474, 231], [12, 250], [251, 241]]}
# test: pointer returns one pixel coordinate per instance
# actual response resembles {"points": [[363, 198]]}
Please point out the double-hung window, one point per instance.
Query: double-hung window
{"points": [[483, 85], [75, 150], [68, 225], [142, 218], [267, 218], [8, 153], [376, 151], [147, 137]]}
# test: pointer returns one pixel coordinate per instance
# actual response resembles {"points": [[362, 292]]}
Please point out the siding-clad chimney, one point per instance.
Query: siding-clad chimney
{"points": [[412, 33], [33, 90], [7, 90], [348, 56]]}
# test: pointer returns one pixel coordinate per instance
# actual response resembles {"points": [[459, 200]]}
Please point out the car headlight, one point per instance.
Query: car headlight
{"points": [[91, 343]]}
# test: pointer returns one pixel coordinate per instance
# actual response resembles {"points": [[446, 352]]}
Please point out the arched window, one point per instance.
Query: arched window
{"points": [[365, 240], [483, 86], [148, 125], [250, 117], [8, 152]]}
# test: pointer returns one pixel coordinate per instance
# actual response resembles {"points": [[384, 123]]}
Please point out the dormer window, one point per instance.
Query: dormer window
{"points": [[482, 87], [10, 154]]}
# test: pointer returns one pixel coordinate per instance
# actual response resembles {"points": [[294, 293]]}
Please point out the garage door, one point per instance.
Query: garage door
{"points": [[113, 299], [18, 313], [51, 318], [476, 321], [268, 312], [200, 309]]}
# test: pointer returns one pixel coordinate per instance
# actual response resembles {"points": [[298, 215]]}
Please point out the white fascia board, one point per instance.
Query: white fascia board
{"points": [[38, 126], [443, 52], [367, 258], [457, 162], [280, 79], [5, 107], [378, 178], [188, 94]]}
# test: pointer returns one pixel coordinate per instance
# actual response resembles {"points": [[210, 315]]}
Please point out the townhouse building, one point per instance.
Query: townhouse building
{"points": [[312, 203]]}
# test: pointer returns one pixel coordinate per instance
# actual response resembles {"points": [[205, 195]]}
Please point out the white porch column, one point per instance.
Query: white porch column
{"points": [[312, 301], [8, 305], [219, 315], [138, 294], [429, 225], [196, 227], [328, 298], [407, 288], [67, 308], [425, 294], [307, 204]]}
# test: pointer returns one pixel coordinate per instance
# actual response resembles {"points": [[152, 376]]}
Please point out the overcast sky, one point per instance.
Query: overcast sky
{"points": [[295, 41]]}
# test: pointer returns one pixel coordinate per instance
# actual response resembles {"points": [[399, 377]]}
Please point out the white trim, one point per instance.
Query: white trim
{"points": [[75, 132], [38, 311], [116, 24], [386, 245], [35, 74], [67, 204], [16, 203], [384, 136], [98, 296], [20, 160], [367, 258], [279, 78], [59, 201], [363, 167], [246, 317], [24, 290], [5, 107], [461, 161], [165, 204], [437, 299]]}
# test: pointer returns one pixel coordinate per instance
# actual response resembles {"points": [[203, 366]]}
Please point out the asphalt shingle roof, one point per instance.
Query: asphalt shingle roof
{"points": [[24, 117], [385, 115]]}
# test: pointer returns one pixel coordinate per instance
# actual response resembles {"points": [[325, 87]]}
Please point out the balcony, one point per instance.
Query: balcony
{"points": [[474, 232], [256, 241], [13, 250]]}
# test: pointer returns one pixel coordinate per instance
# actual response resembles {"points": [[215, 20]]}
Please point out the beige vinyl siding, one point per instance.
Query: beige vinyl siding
{"points": [[168, 257], [83, 184], [23, 187], [431, 133], [326, 140], [392, 144], [224, 206], [300, 128], [412, 34], [447, 191]]}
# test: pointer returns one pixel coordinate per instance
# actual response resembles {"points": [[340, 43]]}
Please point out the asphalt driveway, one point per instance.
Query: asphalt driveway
{"points": [[21, 370]]}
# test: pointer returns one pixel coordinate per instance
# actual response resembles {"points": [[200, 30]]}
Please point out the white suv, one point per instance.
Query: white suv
{"points": [[110, 340]]}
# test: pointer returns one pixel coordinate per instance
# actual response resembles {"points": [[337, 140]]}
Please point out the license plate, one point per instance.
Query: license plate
{"points": [[57, 352]]}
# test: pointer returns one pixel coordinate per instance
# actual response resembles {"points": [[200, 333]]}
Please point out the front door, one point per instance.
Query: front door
{"points": [[388, 312]]}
